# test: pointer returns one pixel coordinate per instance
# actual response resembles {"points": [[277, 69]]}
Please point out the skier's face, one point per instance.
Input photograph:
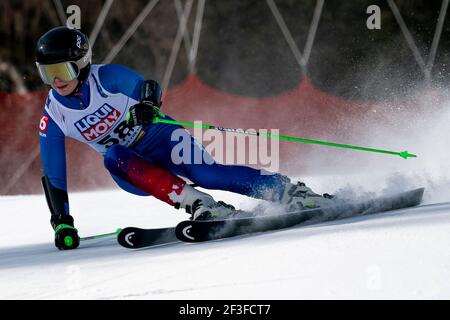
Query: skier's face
{"points": [[64, 88]]}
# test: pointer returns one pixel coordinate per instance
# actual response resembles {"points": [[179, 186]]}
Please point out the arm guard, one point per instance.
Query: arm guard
{"points": [[58, 203], [147, 109], [151, 93]]}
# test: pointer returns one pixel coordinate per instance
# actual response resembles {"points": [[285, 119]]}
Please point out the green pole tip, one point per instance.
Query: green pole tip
{"points": [[68, 241], [118, 230], [406, 155]]}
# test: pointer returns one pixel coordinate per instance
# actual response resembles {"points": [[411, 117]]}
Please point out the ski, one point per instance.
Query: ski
{"points": [[135, 238], [198, 231]]}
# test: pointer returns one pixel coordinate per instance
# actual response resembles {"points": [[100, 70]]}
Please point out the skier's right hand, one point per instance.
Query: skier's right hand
{"points": [[66, 236]]}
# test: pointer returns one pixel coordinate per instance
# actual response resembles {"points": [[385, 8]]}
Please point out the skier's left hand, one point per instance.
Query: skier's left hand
{"points": [[142, 113]]}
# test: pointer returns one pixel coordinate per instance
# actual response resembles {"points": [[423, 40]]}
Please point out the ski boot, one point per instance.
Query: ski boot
{"points": [[207, 208], [202, 206], [300, 197]]}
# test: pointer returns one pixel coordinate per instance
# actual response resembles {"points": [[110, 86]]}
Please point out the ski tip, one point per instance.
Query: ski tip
{"points": [[415, 196], [420, 190]]}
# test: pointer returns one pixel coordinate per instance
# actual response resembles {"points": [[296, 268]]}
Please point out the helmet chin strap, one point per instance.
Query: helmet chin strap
{"points": [[77, 88]]}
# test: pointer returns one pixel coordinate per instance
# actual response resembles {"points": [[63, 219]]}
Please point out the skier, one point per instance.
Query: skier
{"points": [[111, 108]]}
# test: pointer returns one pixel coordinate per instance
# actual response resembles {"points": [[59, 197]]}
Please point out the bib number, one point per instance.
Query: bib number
{"points": [[119, 134]]}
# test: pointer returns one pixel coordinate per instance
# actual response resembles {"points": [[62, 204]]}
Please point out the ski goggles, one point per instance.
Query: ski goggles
{"points": [[64, 71]]}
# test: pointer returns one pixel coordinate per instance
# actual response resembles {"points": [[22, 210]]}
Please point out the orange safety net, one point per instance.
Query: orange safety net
{"points": [[303, 112]]}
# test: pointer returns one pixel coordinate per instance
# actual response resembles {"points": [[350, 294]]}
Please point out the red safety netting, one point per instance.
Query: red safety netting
{"points": [[303, 112]]}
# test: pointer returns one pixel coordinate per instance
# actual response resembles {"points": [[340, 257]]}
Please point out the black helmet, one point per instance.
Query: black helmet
{"points": [[64, 53]]}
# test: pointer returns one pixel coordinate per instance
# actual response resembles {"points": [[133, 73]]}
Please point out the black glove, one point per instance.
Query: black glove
{"points": [[142, 113], [66, 236]]}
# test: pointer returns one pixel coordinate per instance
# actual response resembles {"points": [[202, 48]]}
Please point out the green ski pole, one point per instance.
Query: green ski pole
{"points": [[100, 236], [403, 154]]}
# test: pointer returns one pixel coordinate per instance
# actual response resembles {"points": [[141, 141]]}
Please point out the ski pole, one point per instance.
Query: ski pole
{"points": [[100, 236], [403, 154]]}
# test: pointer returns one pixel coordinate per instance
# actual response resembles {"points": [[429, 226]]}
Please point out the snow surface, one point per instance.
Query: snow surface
{"points": [[402, 254], [396, 255]]}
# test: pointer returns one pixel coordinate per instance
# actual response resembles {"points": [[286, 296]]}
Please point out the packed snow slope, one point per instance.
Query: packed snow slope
{"points": [[393, 255], [401, 254]]}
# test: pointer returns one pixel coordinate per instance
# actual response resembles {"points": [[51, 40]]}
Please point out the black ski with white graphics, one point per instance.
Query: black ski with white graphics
{"points": [[197, 231], [135, 238]]}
